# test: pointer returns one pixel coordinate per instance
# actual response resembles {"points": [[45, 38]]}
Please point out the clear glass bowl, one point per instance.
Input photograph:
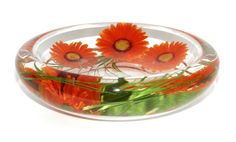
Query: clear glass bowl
{"points": [[116, 71]]}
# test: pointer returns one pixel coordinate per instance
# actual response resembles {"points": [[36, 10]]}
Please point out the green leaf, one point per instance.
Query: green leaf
{"points": [[113, 93], [141, 93], [149, 104], [104, 61], [115, 67]]}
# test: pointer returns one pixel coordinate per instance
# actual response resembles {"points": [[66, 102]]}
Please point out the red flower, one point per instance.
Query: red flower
{"points": [[164, 56], [123, 42], [31, 78], [73, 55], [85, 93]]}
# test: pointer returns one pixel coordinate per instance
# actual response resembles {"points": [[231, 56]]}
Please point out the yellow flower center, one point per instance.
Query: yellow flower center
{"points": [[122, 45], [165, 57], [72, 56]]}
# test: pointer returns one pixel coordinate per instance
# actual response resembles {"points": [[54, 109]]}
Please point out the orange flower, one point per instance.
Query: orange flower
{"points": [[30, 73], [164, 56], [194, 82], [73, 55], [50, 90], [77, 96], [123, 42], [32, 80]]}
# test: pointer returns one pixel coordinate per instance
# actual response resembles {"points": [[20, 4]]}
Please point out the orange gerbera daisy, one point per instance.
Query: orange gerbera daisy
{"points": [[73, 95], [73, 55], [164, 56], [123, 42]]}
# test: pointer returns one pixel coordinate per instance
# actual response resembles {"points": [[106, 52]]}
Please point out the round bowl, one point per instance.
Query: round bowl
{"points": [[116, 71]]}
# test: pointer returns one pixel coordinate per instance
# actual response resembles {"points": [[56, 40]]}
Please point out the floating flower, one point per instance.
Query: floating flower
{"points": [[123, 42], [73, 55], [75, 95], [164, 56]]}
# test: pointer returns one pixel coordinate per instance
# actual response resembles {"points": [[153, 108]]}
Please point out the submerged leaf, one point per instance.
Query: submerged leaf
{"points": [[148, 104], [113, 92]]}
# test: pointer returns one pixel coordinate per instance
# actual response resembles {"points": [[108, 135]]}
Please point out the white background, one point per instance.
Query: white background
{"points": [[214, 119]]}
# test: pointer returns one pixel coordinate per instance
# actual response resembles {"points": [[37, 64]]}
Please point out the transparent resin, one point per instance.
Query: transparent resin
{"points": [[111, 89]]}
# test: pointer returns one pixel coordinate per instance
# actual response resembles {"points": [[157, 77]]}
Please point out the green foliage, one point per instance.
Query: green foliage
{"points": [[155, 103], [125, 98], [113, 93]]}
